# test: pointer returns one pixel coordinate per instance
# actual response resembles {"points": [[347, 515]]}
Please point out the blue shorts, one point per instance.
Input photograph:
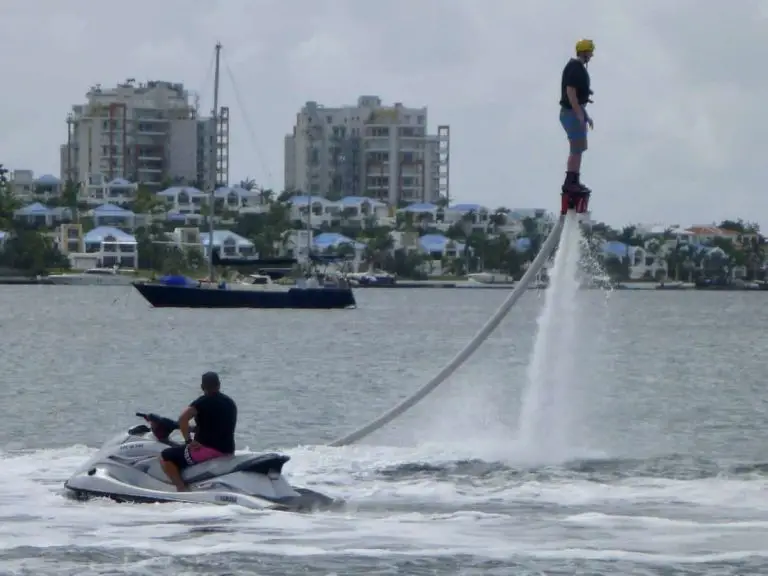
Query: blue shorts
{"points": [[574, 128]]}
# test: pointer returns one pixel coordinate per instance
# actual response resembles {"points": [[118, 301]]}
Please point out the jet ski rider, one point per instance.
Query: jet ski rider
{"points": [[216, 417]]}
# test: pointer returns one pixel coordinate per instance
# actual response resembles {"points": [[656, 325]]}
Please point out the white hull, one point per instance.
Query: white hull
{"points": [[491, 278], [92, 280], [128, 469]]}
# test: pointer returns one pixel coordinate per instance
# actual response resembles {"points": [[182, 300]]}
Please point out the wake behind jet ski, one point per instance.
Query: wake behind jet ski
{"points": [[127, 469]]}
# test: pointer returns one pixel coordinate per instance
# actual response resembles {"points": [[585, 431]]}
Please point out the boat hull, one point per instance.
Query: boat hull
{"points": [[90, 280], [162, 296]]}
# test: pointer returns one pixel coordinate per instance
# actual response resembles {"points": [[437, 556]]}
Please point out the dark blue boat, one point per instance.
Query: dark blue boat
{"points": [[196, 295], [184, 292]]}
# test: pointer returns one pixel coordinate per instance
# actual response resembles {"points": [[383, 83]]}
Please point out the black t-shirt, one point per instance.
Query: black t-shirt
{"points": [[575, 74], [216, 419]]}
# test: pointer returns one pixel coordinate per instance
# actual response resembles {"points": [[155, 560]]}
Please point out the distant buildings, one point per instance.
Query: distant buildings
{"points": [[151, 133], [146, 133], [372, 150]]}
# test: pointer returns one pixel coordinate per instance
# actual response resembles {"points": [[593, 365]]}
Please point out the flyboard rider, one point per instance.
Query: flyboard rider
{"points": [[575, 93]]}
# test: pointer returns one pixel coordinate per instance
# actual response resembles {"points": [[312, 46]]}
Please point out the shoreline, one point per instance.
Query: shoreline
{"points": [[468, 285]]}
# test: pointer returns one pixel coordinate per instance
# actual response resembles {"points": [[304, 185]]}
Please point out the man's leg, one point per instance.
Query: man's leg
{"points": [[173, 460], [577, 141]]}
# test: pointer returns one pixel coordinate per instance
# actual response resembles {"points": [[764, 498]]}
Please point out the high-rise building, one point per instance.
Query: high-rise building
{"points": [[145, 133], [383, 152]]}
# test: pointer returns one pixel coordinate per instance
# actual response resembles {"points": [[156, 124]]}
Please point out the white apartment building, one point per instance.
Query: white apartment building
{"points": [[382, 152], [146, 133]]}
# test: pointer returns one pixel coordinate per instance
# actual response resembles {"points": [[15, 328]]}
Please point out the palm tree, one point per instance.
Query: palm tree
{"points": [[247, 184], [266, 196], [379, 247], [531, 231], [498, 218]]}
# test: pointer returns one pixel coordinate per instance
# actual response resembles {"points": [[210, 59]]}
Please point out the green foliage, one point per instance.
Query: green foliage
{"points": [[486, 247], [25, 248]]}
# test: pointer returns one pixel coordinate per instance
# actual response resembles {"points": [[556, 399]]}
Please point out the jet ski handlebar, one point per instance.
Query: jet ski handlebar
{"points": [[162, 421], [161, 426]]}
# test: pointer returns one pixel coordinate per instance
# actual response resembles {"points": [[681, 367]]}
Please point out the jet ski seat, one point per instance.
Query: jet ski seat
{"points": [[257, 464]]}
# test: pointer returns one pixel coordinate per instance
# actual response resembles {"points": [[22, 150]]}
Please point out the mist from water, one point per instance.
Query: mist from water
{"points": [[546, 423]]}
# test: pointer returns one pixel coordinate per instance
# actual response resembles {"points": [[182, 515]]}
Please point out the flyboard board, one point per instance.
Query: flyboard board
{"points": [[576, 201]]}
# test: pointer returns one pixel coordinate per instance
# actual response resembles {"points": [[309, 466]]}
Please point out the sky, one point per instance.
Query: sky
{"points": [[679, 105]]}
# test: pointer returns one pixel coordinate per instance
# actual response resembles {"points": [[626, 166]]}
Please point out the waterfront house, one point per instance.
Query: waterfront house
{"points": [[358, 209], [38, 214], [324, 211], [106, 246], [186, 237], [227, 243], [184, 199], [475, 215], [437, 246], [22, 185], [423, 212], [47, 188], [706, 235], [188, 219], [332, 240], [111, 215], [235, 198], [98, 190], [642, 262], [69, 238]]}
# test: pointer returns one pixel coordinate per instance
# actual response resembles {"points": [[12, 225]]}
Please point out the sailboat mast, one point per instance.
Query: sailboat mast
{"points": [[215, 162], [309, 232]]}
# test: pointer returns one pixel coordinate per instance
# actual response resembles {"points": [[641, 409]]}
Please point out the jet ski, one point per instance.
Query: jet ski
{"points": [[127, 469]]}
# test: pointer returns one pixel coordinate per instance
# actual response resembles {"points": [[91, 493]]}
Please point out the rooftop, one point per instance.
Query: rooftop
{"points": [[109, 234]]}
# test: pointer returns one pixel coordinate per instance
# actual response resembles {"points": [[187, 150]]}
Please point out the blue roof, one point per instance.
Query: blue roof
{"points": [[332, 240], [438, 243], [36, 209], [2, 234], [467, 207], [175, 215], [225, 191], [303, 200], [616, 248], [120, 182], [219, 237], [99, 233], [47, 179], [522, 244], [355, 200], [173, 190], [111, 210], [523, 213], [421, 207]]}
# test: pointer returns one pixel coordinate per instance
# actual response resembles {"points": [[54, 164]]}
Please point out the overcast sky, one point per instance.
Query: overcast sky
{"points": [[681, 88]]}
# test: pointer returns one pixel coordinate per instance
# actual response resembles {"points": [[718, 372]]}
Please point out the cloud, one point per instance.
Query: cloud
{"points": [[679, 91]]}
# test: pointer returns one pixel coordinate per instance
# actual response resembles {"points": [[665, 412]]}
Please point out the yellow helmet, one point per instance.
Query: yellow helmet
{"points": [[585, 45]]}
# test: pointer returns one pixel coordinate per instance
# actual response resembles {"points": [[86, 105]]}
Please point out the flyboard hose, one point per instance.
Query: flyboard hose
{"points": [[546, 250]]}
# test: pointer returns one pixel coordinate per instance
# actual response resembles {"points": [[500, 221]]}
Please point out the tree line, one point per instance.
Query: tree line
{"points": [[484, 248]]}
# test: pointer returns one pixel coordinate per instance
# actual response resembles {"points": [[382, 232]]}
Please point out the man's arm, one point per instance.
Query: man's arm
{"points": [[189, 413]]}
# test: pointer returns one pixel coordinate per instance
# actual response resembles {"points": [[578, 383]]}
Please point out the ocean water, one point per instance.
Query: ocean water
{"points": [[667, 473]]}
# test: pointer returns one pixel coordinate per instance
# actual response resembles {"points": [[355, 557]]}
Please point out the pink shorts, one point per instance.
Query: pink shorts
{"points": [[202, 453]]}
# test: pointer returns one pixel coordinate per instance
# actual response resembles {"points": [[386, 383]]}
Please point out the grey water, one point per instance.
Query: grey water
{"points": [[670, 476]]}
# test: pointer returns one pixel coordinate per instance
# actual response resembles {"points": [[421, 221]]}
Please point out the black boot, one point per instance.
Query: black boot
{"points": [[571, 183], [584, 189]]}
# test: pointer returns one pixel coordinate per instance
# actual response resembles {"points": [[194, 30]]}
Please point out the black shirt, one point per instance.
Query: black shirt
{"points": [[575, 74], [216, 419]]}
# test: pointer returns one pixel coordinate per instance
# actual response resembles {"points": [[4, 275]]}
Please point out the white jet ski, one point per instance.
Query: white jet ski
{"points": [[127, 469]]}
